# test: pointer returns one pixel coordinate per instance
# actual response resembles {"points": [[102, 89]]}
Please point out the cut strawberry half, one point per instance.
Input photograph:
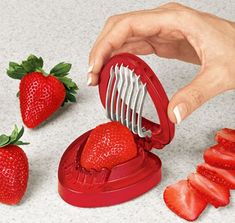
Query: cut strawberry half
{"points": [[184, 201], [218, 175], [213, 193], [227, 138], [218, 156]]}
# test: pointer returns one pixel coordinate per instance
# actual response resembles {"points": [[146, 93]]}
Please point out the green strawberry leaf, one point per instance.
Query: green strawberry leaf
{"points": [[13, 139], [4, 139], [17, 71], [32, 63], [14, 134], [71, 97], [36, 62], [68, 82], [20, 143], [60, 70], [72, 91], [20, 134]]}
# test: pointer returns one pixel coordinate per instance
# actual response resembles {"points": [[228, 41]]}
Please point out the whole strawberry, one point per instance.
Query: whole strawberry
{"points": [[108, 145], [14, 168], [41, 94]]}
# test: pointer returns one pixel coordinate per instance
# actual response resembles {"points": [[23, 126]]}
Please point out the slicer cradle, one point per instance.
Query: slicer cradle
{"points": [[124, 83]]}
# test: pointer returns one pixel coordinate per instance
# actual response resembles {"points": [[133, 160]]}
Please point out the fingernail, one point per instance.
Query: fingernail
{"points": [[90, 68], [180, 112], [89, 80]]}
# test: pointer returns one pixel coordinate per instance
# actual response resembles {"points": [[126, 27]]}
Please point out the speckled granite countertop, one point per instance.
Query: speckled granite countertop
{"points": [[64, 31]]}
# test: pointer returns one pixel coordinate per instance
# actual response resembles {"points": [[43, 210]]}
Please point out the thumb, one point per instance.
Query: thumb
{"points": [[206, 85]]}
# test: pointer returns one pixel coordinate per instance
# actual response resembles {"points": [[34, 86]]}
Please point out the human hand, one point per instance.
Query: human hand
{"points": [[179, 32]]}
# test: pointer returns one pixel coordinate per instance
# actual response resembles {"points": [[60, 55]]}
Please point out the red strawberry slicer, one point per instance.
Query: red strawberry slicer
{"points": [[124, 82]]}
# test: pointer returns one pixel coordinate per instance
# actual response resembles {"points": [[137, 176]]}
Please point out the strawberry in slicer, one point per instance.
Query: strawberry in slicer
{"points": [[113, 163]]}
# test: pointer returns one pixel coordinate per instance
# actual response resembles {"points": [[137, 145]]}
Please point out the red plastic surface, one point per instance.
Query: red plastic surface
{"points": [[162, 133], [83, 188]]}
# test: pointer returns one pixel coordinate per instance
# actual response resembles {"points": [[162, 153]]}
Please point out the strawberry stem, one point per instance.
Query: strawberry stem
{"points": [[13, 139], [39, 69]]}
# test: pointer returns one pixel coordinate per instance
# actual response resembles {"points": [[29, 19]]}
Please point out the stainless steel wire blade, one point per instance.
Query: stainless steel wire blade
{"points": [[125, 98], [108, 93], [135, 104], [141, 131], [113, 97], [125, 93], [120, 88]]}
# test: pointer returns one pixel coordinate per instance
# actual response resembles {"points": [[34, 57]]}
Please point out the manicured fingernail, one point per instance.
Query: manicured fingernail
{"points": [[89, 80], [180, 112], [90, 68]]}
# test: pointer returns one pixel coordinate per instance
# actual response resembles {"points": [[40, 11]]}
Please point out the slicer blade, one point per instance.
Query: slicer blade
{"points": [[125, 99]]}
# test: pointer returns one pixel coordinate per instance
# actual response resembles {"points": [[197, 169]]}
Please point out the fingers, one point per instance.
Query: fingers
{"points": [[174, 6], [170, 19], [207, 84], [141, 47], [92, 76], [112, 21], [136, 25]]}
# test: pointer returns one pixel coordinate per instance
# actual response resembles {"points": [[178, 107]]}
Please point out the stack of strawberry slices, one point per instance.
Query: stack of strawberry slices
{"points": [[211, 184]]}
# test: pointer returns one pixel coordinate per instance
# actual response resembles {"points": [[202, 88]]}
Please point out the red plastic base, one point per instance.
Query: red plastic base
{"points": [[124, 182]]}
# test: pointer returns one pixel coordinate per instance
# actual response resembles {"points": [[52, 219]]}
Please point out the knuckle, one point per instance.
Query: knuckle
{"points": [[112, 19], [125, 21], [181, 11], [173, 5], [185, 14]]}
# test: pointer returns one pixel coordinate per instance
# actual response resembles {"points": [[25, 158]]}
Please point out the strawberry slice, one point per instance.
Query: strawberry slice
{"points": [[218, 175], [227, 138], [213, 193], [184, 201], [218, 156]]}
